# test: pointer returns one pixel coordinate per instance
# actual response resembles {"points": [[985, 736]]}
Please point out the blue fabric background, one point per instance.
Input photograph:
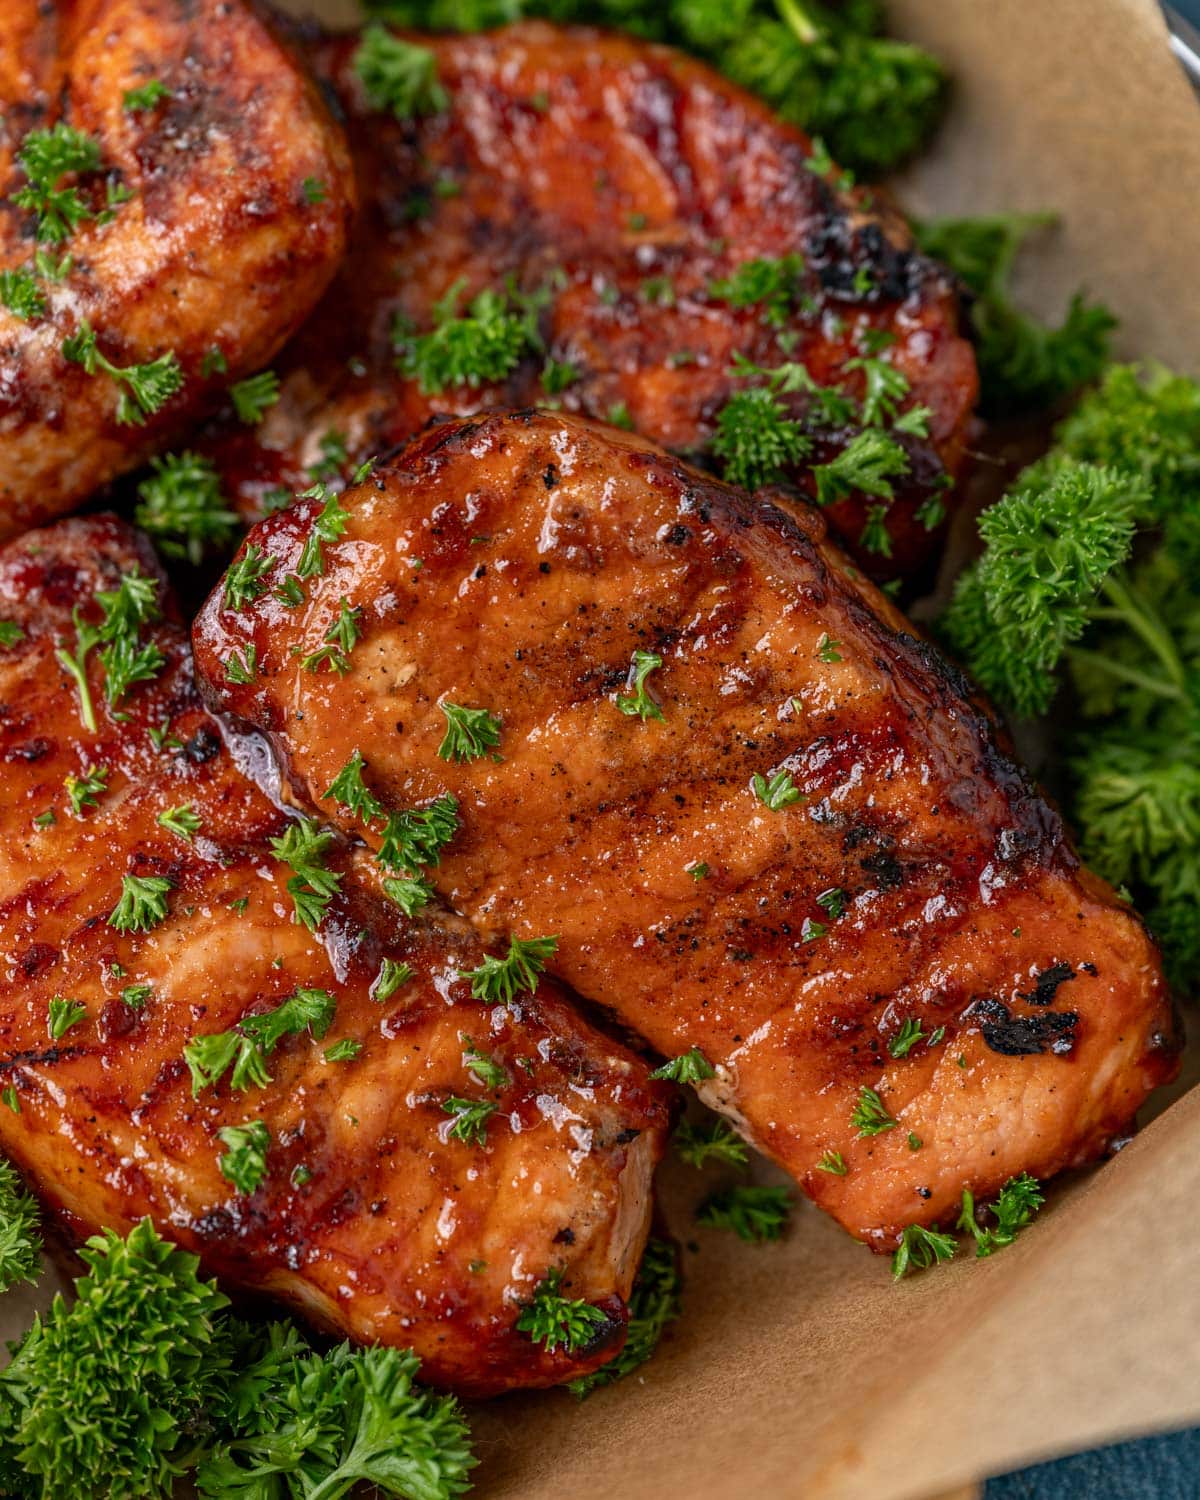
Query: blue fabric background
{"points": [[1159, 1468]]}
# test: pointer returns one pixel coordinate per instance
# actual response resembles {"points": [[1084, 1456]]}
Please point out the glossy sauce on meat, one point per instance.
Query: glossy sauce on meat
{"points": [[614, 182], [371, 1219], [818, 842], [218, 253]]}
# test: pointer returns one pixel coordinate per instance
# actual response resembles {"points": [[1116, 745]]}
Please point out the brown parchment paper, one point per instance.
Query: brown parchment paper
{"points": [[799, 1369]]}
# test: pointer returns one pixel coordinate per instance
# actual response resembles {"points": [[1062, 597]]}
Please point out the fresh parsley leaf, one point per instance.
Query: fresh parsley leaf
{"points": [[181, 506], [920, 1247], [416, 837], [470, 1119], [777, 792], [83, 791], [243, 668], [46, 156], [328, 526], [344, 1051], [756, 439], [183, 821], [10, 634], [398, 76], [1023, 365], [253, 397], [713, 1140], [245, 1162], [1019, 1200], [146, 97], [136, 995], [484, 344], [834, 1163], [470, 732], [143, 903], [906, 1038], [63, 1014], [769, 284], [551, 1319], [870, 1115], [832, 902], [690, 1067], [244, 580], [392, 974], [498, 981], [349, 789], [638, 700], [755, 1214], [304, 846], [653, 1303], [21, 294], [147, 387], [410, 893], [866, 465], [20, 1241], [482, 1066]]}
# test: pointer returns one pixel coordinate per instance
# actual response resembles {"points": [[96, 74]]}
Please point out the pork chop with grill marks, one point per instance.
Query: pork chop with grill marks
{"points": [[614, 185], [214, 212], [785, 835], [371, 1217]]}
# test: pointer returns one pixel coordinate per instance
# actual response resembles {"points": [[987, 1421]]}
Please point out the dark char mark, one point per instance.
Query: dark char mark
{"points": [[1047, 982], [1022, 1036]]}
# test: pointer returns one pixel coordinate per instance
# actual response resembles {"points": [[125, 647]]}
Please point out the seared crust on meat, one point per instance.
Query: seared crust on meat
{"points": [[908, 872], [400, 1233], [218, 248], [617, 181]]}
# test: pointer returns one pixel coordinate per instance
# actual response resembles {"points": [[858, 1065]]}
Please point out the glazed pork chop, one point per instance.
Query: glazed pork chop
{"points": [[646, 223], [175, 200], [759, 816], [364, 1139]]}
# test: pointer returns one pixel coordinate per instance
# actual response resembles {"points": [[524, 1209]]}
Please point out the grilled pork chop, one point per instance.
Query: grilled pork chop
{"points": [[371, 1217], [214, 215], [614, 186], [784, 835]]}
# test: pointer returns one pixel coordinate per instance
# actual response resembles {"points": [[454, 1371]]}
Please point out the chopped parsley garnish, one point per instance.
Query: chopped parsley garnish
{"points": [[83, 791], [328, 525], [410, 893], [148, 387], [143, 903], [498, 981], [870, 1116], [551, 1319], [834, 1163], [638, 700], [314, 191], [690, 1067], [769, 284], [1019, 1200], [340, 639], [46, 156], [243, 667], [413, 838], [182, 821], [75, 664], [827, 650], [920, 1247], [756, 439], [484, 344], [21, 294], [146, 97], [832, 902], [811, 930], [344, 1051], [470, 732], [914, 1141], [244, 580], [875, 537], [290, 592], [482, 1066], [63, 1015], [10, 634], [755, 1214], [906, 1038], [470, 1119], [884, 388], [303, 846], [245, 1162], [398, 76], [867, 465], [333, 459], [698, 871], [253, 397], [776, 793], [20, 1242], [392, 974], [714, 1140], [127, 663], [653, 1303], [181, 506], [349, 789], [558, 376], [11, 1098], [213, 363], [136, 995], [246, 1048]]}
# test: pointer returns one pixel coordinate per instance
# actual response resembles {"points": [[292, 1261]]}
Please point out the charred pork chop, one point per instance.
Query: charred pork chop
{"points": [[175, 200], [325, 1115], [634, 224], [760, 817]]}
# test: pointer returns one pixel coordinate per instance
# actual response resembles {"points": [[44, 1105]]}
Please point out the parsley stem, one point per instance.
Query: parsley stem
{"points": [[1101, 663], [1142, 619], [798, 21], [77, 667]]}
